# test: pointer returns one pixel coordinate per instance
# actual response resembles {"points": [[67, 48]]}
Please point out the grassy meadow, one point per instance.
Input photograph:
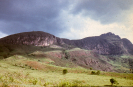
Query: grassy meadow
{"points": [[22, 71]]}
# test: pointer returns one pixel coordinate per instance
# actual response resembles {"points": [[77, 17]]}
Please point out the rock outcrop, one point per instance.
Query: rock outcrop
{"points": [[105, 44], [36, 38]]}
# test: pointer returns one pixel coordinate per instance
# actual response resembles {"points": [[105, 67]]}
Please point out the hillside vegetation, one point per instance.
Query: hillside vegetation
{"points": [[71, 57], [23, 71], [35, 59], [43, 66]]}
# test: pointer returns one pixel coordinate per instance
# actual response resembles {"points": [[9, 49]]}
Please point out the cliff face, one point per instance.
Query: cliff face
{"points": [[128, 45], [32, 38], [105, 44]]}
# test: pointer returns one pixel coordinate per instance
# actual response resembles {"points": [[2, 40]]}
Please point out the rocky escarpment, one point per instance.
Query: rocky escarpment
{"points": [[128, 45], [37, 38], [80, 57], [105, 44]]}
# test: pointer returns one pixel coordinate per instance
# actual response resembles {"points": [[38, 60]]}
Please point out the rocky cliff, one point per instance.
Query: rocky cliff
{"points": [[36, 38], [105, 44]]}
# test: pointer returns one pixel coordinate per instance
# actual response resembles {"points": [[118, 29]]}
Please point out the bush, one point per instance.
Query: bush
{"points": [[95, 73], [34, 81], [65, 71], [91, 68], [67, 55], [113, 81], [98, 72]]}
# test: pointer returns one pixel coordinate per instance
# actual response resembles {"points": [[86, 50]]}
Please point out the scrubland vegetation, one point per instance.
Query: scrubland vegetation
{"points": [[21, 71], [41, 66]]}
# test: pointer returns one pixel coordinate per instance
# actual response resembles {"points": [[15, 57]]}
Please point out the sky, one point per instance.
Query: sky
{"points": [[72, 19]]}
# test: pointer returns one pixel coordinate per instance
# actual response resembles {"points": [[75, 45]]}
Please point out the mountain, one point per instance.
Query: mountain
{"points": [[105, 44], [107, 52], [36, 38]]}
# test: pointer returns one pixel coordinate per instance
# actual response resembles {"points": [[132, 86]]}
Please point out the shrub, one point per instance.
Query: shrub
{"points": [[65, 71], [98, 72], [45, 84], [32, 69], [15, 64], [91, 68], [93, 72], [113, 81], [67, 55], [34, 81], [64, 84]]}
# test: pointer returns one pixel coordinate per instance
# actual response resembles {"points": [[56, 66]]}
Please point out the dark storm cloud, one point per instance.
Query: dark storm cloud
{"points": [[45, 15], [105, 11], [28, 15]]}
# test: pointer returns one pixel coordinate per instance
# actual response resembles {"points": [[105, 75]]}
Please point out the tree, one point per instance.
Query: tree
{"points": [[93, 72], [67, 55], [98, 72], [64, 71], [113, 81]]}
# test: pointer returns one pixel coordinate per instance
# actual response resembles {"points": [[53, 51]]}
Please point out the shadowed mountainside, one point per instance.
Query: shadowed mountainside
{"points": [[116, 52], [105, 44], [36, 38]]}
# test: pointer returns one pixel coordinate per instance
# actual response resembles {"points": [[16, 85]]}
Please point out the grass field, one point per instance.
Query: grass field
{"points": [[21, 71]]}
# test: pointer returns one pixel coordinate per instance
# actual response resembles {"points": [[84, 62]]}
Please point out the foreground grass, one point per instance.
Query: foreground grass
{"points": [[40, 78], [27, 76]]}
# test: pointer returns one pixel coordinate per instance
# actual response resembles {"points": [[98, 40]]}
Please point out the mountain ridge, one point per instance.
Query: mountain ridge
{"points": [[105, 52], [105, 44]]}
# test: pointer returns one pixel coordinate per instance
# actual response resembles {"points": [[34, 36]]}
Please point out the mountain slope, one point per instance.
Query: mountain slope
{"points": [[116, 52], [105, 44], [36, 38]]}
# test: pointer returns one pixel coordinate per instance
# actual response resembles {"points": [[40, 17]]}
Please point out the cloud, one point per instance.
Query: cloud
{"points": [[73, 19], [105, 11], [28, 15], [2, 35], [81, 27]]}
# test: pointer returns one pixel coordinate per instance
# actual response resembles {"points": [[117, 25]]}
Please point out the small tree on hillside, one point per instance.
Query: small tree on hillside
{"points": [[113, 81], [64, 71], [93, 72], [67, 55], [98, 72], [131, 70]]}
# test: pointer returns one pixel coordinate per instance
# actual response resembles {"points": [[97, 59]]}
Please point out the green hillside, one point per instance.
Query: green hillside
{"points": [[22, 71], [25, 66]]}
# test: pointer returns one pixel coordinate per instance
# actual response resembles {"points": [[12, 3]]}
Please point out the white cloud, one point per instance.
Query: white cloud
{"points": [[2, 35], [81, 27]]}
